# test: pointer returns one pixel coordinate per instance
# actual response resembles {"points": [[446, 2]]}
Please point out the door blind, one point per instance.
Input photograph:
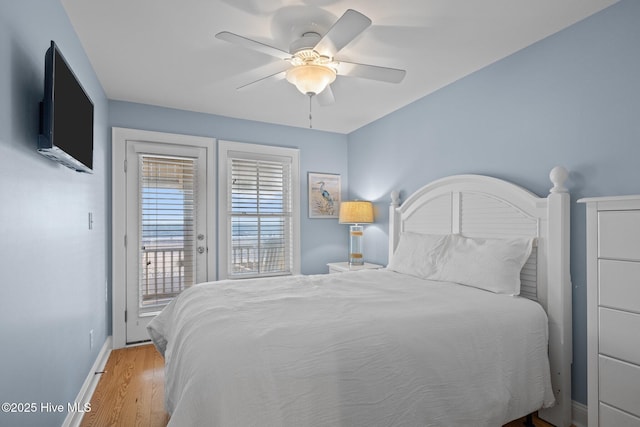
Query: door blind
{"points": [[167, 228], [260, 217]]}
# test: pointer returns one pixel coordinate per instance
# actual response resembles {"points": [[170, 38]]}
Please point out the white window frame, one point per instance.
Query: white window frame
{"points": [[225, 149]]}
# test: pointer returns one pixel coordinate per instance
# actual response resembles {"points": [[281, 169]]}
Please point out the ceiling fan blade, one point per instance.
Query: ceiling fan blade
{"points": [[253, 44], [372, 72], [345, 29], [326, 97], [272, 77]]}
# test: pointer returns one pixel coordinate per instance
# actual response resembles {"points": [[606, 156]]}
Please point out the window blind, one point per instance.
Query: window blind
{"points": [[260, 217], [167, 227]]}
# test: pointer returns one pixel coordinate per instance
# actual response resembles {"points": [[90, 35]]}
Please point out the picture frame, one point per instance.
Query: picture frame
{"points": [[324, 194]]}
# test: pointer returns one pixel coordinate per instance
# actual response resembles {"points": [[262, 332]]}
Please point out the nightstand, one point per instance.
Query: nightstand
{"points": [[341, 267]]}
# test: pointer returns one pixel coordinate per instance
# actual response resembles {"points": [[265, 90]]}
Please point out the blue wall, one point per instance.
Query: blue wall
{"points": [[572, 99], [322, 240], [53, 269]]}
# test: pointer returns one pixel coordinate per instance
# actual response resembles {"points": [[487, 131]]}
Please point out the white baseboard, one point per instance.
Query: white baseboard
{"points": [[89, 386], [579, 414]]}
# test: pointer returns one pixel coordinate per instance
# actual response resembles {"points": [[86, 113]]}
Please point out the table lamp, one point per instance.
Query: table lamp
{"points": [[355, 213]]}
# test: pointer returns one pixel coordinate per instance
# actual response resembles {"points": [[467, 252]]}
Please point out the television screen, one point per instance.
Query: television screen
{"points": [[66, 116]]}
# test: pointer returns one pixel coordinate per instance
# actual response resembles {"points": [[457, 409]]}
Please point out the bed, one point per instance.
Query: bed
{"points": [[400, 346]]}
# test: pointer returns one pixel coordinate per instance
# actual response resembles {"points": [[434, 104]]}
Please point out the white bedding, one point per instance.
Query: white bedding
{"points": [[367, 348]]}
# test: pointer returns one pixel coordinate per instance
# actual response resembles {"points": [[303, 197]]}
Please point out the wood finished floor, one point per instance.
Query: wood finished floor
{"points": [[131, 392]]}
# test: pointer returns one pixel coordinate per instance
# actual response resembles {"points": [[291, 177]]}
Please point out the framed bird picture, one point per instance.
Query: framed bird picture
{"points": [[324, 195]]}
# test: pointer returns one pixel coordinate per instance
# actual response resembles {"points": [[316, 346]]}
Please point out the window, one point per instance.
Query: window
{"points": [[167, 227], [259, 202]]}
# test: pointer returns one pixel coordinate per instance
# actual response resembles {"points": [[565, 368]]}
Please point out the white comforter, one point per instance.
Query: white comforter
{"points": [[367, 348]]}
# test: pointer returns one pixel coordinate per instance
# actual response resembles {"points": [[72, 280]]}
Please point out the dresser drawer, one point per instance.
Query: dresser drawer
{"points": [[620, 335], [619, 235], [620, 385], [611, 417], [619, 284]]}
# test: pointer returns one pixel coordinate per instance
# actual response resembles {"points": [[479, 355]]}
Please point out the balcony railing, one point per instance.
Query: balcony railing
{"points": [[167, 271], [249, 259], [164, 274]]}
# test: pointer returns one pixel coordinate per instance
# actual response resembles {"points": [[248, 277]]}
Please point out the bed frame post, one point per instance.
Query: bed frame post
{"points": [[528, 421], [559, 300], [394, 222]]}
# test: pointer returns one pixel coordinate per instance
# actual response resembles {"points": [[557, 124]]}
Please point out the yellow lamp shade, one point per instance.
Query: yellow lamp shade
{"points": [[356, 212]]}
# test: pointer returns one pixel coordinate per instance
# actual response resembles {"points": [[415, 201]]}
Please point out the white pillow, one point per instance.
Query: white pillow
{"points": [[490, 264], [417, 254]]}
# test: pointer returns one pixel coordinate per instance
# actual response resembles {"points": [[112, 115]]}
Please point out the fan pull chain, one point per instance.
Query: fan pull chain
{"points": [[310, 118]]}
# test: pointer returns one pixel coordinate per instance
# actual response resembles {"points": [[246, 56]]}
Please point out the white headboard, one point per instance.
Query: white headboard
{"points": [[482, 206]]}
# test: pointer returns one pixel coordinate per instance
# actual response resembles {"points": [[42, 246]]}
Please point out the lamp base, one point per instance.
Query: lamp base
{"points": [[355, 245]]}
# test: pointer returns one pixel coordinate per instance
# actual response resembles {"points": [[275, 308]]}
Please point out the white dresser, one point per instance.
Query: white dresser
{"points": [[613, 310]]}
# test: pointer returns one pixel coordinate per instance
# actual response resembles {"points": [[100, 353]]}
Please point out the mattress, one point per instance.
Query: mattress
{"points": [[366, 348]]}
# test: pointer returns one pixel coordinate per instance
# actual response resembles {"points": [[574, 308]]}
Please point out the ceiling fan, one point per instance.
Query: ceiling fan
{"points": [[313, 66]]}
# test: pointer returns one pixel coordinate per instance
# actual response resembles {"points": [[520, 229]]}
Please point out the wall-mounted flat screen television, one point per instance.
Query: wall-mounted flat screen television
{"points": [[66, 116]]}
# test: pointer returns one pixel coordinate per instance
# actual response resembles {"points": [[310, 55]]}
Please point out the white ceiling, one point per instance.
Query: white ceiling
{"points": [[163, 52]]}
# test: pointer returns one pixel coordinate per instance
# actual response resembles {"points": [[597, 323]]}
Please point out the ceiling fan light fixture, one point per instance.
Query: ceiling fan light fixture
{"points": [[311, 79]]}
